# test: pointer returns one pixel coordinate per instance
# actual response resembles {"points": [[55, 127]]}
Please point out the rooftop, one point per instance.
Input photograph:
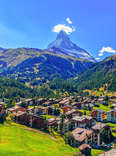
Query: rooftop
{"points": [[81, 118], [70, 112], [19, 113], [99, 126], [99, 110], [81, 134], [113, 110], [84, 146]]}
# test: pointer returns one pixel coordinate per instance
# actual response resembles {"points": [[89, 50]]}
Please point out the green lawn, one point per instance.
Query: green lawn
{"points": [[113, 125], [102, 107], [49, 116], [83, 111], [18, 140]]}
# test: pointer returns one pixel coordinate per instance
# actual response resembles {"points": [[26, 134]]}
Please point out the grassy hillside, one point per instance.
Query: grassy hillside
{"points": [[18, 140]]}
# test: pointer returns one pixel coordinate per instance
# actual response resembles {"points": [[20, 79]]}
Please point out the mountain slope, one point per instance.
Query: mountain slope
{"points": [[45, 67], [11, 89], [99, 74], [62, 59], [64, 44]]}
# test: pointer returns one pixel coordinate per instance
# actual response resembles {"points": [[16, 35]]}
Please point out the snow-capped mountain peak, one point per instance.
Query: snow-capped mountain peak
{"points": [[64, 44]]}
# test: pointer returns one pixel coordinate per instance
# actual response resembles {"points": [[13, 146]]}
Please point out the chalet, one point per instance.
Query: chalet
{"points": [[112, 97], [82, 136], [75, 105], [52, 122], [101, 100], [65, 102], [113, 106], [79, 98], [98, 114], [20, 117], [89, 106], [85, 150], [70, 114], [19, 103], [29, 102], [47, 103], [78, 105], [40, 101], [111, 116], [16, 109], [4, 100], [31, 109], [51, 109], [99, 129], [83, 104], [2, 109], [66, 109], [65, 125], [37, 121], [30, 119], [83, 121], [41, 110]]}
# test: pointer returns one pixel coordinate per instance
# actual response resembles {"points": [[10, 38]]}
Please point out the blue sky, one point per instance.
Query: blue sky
{"points": [[29, 23]]}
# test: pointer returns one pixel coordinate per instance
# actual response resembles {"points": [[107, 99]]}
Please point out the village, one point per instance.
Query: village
{"points": [[76, 119]]}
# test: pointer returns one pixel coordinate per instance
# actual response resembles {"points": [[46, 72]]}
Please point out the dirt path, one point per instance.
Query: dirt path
{"points": [[112, 152]]}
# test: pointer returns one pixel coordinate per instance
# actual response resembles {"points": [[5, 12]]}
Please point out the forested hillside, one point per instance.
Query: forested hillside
{"points": [[11, 88], [99, 74]]}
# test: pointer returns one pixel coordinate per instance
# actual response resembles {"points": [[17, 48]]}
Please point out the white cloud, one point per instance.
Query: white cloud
{"points": [[97, 58], [60, 27], [68, 20], [107, 50]]}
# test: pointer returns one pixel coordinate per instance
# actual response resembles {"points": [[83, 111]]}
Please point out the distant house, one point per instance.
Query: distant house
{"points": [[70, 114], [111, 115], [29, 101], [101, 100], [85, 150], [83, 121], [20, 117], [31, 110], [82, 136], [2, 109], [79, 105], [113, 106], [38, 122], [47, 103], [66, 125], [16, 109], [99, 129], [66, 109], [64, 102], [98, 114], [41, 110], [30, 119], [52, 122]]}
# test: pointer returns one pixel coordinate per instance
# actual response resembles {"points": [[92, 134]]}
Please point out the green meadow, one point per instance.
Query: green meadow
{"points": [[19, 140]]}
